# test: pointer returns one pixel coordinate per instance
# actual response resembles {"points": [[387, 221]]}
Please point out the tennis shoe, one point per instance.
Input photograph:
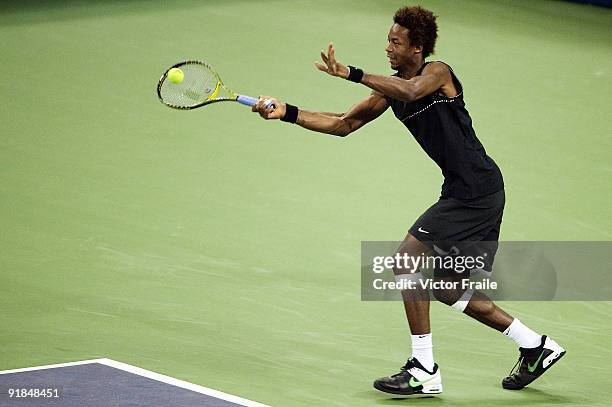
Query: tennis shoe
{"points": [[413, 380], [532, 363]]}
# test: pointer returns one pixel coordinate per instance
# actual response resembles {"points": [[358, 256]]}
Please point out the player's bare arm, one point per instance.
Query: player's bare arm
{"points": [[435, 76], [338, 124]]}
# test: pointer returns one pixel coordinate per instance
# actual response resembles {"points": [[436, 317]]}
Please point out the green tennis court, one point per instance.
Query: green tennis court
{"points": [[224, 250]]}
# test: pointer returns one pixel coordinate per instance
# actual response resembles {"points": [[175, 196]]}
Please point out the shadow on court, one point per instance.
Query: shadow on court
{"points": [[527, 396]]}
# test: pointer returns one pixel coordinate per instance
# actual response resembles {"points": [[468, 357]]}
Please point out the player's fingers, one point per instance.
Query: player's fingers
{"points": [[332, 59], [320, 66], [260, 103], [269, 105], [331, 54], [263, 114], [326, 60], [262, 106]]}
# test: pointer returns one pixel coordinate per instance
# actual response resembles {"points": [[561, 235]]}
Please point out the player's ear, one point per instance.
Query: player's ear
{"points": [[418, 49]]}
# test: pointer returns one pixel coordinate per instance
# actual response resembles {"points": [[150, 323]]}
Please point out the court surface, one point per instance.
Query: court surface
{"points": [[106, 383], [222, 250]]}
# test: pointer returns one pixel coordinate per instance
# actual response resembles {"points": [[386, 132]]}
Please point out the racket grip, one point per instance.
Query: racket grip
{"points": [[246, 100], [250, 101]]}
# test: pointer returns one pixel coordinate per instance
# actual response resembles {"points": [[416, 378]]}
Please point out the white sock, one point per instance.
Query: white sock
{"points": [[523, 336], [422, 350]]}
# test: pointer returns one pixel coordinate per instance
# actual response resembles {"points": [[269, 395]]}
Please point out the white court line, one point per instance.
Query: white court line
{"points": [[148, 374], [29, 369]]}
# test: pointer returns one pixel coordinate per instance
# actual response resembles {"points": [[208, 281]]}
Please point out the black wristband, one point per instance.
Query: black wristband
{"points": [[355, 74], [291, 113]]}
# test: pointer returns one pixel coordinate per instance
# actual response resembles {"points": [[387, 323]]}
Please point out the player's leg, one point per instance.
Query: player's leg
{"points": [[477, 305], [537, 352], [420, 375], [474, 233], [472, 303], [416, 301]]}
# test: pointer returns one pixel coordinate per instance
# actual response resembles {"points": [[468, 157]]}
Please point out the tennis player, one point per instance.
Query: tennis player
{"points": [[427, 97]]}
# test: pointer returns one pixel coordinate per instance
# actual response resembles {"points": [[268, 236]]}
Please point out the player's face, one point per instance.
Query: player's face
{"points": [[399, 50]]}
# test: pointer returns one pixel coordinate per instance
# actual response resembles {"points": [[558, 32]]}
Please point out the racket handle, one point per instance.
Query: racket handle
{"points": [[246, 100], [249, 101]]}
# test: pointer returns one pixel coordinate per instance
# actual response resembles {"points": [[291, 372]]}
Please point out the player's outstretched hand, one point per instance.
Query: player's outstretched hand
{"points": [[275, 110], [331, 65]]}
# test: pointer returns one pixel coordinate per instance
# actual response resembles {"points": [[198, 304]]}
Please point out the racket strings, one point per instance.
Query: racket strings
{"points": [[198, 84]]}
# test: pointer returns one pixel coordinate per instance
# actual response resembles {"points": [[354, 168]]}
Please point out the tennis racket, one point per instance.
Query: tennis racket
{"points": [[201, 86]]}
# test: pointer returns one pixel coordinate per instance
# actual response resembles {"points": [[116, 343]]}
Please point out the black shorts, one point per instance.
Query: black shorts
{"points": [[462, 227]]}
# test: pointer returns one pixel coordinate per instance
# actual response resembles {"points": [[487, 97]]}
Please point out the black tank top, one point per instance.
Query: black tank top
{"points": [[443, 128]]}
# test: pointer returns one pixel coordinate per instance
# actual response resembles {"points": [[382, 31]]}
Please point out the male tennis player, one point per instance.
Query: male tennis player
{"points": [[428, 98]]}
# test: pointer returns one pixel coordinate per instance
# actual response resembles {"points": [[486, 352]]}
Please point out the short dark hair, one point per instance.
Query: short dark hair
{"points": [[421, 25]]}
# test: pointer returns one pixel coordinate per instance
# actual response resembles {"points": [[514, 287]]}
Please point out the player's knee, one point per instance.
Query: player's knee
{"points": [[453, 297], [446, 296], [484, 308]]}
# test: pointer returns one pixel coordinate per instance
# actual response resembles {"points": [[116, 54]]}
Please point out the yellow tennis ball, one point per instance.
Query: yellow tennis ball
{"points": [[176, 76]]}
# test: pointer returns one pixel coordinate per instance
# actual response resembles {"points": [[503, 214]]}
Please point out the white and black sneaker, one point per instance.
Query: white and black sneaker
{"points": [[532, 363], [413, 380]]}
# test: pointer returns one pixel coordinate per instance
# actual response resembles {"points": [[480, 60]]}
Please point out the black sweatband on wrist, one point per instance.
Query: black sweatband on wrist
{"points": [[355, 74], [291, 113]]}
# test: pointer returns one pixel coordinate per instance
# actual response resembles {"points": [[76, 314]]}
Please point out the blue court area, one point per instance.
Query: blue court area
{"points": [[105, 383]]}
